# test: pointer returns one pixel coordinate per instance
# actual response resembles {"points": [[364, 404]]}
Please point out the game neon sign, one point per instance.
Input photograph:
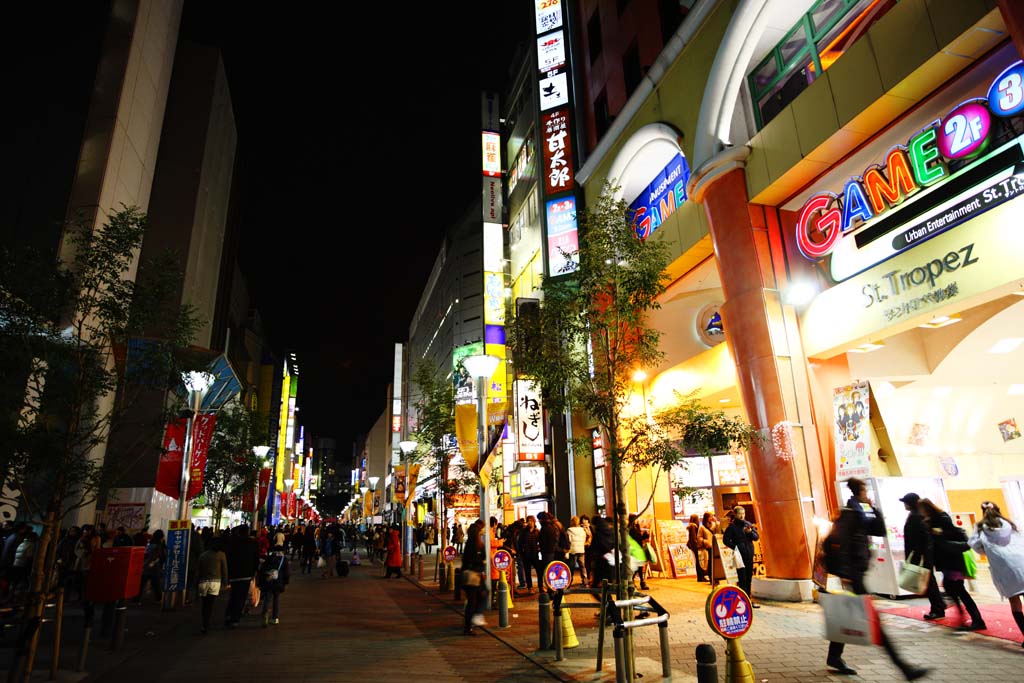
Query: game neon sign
{"points": [[962, 134]]}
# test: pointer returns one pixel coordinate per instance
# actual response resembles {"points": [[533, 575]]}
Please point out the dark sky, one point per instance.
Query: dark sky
{"points": [[359, 142]]}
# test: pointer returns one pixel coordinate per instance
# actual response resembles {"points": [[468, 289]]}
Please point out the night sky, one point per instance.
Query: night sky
{"points": [[359, 146]]}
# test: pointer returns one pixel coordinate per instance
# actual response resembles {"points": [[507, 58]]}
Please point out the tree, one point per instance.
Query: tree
{"points": [[590, 337], [82, 340], [232, 469]]}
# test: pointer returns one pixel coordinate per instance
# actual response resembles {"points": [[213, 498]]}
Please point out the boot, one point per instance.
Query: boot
{"points": [[1019, 618]]}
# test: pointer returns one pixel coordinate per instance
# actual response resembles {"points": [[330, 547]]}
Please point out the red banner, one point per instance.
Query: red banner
{"points": [[168, 473], [264, 485], [247, 501], [202, 432]]}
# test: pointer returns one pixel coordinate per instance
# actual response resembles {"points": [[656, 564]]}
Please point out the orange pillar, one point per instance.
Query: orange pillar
{"points": [[1013, 17], [752, 318]]}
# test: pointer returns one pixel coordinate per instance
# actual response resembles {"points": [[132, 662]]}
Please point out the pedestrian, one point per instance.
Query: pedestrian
{"points": [[848, 556], [919, 549], [473, 578], [640, 537], [431, 538], [588, 555], [529, 551], [153, 566], [393, 561], [950, 546], [693, 543], [740, 536], [274, 576], [327, 555], [213, 578], [1001, 542], [24, 557], [122, 539], [577, 547], [309, 549], [243, 557], [603, 548]]}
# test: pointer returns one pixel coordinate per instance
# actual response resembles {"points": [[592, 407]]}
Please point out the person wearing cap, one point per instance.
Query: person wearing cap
{"points": [[919, 549]]}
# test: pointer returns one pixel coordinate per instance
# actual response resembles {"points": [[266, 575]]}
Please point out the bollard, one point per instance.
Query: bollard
{"points": [[666, 654], [120, 620], [443, 583], [83, 651], [618, 635], [419, 568], [502, 594], [707, 664], [457, 586], [556, 634], [544, 620], [449, 582], [737, 668]]}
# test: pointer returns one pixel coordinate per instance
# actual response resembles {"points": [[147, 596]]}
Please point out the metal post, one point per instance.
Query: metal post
{"points": [[544, 620], [502, 596], [557, 631], [481, 445], [120, 620], [58, 624], [666, 654], [601, 624], [620, 655], [419, 568], [707, 664], [627, 637], [442, 585]]}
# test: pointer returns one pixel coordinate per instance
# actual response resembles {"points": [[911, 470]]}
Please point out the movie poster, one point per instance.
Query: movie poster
{"points": [[852, 428]]}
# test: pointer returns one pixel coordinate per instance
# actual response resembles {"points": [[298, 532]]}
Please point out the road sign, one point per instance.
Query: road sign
{"points": [[502, 560], [557, 576], [729, 612], [449, 553], [176, 567]]}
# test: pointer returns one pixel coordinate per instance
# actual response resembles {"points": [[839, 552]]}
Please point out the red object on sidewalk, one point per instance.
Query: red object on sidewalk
{"points": [[115, 574], [997, 618]]}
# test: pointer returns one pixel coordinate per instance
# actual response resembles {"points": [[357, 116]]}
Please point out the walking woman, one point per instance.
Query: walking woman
{"points": [[153, 565], [213, 576], [394, 556], [577, 548], [998, 538], [473, 577], [950, 545], [273, 577]]}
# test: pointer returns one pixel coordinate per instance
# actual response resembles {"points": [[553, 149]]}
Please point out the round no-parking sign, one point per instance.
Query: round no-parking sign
{"points": [[728, 611], [557, 576], [502, 560], [449, 553]]}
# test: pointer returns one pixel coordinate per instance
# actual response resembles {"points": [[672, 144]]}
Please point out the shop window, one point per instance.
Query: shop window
{"points": [[811, 46], [631, 70], [594, 36]]}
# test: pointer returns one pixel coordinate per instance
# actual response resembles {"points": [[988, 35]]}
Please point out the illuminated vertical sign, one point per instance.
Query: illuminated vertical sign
{"points": [[551, 51], [548, 14], [396, 392], [563, 236], [493, 247], [492, 154], [529, 414], [282, 434], [558, 171]]}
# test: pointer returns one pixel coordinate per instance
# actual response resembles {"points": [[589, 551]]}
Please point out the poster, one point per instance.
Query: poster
{"points": [[1008, 430], [132, 516], [673, 535], [202, 433], [176, 567], [852, 421], [168, 473]]}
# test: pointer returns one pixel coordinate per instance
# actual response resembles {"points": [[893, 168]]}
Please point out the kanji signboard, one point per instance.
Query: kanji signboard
{"points": [[558, 173], [176, 567]]}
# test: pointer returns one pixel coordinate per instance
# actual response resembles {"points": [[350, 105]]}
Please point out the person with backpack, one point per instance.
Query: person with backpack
{"points": [[273, 577], [847, 555], [950, 546]]}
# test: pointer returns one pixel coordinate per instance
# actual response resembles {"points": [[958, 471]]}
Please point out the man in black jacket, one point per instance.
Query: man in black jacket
{"points": [[243, 555], [740, 536], [917, 542], [847, 555]]}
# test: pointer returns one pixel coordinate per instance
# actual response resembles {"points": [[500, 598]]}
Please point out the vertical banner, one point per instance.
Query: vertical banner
{"points": [[529, 421], [558, 172], [168, 473], [264, 483], [282, 433], [852, 414], [202, 433], [178, 534], [563, 236]]}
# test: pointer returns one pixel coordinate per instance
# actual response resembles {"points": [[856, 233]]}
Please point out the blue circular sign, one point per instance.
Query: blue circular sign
{"points": [[1006, 94], [557, 576], [729, 612], [502, 560]]}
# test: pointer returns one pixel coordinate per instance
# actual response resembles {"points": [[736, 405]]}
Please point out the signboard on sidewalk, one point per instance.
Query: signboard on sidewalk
{"points": [[557, 576], [449, 553], [176, 566], [729, 612], [502, 560]]}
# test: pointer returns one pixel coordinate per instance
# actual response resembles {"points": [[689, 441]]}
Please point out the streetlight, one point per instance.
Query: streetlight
{"points": [[261, 454], [197, 384], [482, 368], [408, 448]]}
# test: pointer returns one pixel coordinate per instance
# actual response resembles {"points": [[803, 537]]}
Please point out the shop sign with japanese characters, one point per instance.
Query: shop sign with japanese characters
{"points": [[558, 173], [529, 420]]}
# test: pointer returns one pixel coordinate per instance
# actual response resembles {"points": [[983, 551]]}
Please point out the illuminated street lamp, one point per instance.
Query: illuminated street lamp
{"points": [[482, 368], [197, 384]]}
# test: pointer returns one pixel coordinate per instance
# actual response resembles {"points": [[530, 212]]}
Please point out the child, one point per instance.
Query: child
{"points": [[273, 577]]}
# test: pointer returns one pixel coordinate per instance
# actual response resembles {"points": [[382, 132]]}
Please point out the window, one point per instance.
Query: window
{"points": [[631, 70], [594, 36], [602, 117], [818, 39]]}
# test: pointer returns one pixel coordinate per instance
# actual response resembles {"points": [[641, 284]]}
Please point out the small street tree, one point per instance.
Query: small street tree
{"points": [[232, 469], [81, 341], [590, 337]]}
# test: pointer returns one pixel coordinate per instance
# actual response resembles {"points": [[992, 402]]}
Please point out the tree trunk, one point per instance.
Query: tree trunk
{"points": [[621, 516], [37, 593]]}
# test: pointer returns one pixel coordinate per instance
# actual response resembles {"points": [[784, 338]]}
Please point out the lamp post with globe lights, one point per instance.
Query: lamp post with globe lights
{"points": [[482, 368]]}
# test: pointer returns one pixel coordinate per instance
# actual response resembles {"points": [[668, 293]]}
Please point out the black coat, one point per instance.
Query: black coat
{"points": [[950, 543], [274, 561], [847, 553], [738, 539], [917, 539], [243, 553]]}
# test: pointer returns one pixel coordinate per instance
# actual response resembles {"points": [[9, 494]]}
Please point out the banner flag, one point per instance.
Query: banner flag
{"points": [[202, 432], [168, 473]]}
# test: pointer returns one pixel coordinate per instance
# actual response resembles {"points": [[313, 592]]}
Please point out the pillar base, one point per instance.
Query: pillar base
{"points": [[783, 590]]}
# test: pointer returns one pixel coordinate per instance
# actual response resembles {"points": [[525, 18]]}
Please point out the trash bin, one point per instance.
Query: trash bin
{"points": [[114, 574]]}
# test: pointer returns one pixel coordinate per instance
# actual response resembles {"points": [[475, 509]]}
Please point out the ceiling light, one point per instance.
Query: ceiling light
{"points": [[724, 400], [800, 293], [867, 347], [1016, 390], [1007, 345], [939, 392], [639, 376], [941, 321], [1019, 292]]}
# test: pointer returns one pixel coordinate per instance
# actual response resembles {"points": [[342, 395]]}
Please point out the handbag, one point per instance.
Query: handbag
{"points": [[321, 563], [253, 599], [850, 619], [471, 578], [737, 558], [970, 564], [914, 577]]}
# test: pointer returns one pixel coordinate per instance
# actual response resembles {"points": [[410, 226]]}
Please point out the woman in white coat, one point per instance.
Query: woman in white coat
{"points": [[997, 538]]}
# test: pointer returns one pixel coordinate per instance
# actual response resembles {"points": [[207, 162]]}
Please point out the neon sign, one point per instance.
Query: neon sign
{"points": [[661, 198], [963, 133]]}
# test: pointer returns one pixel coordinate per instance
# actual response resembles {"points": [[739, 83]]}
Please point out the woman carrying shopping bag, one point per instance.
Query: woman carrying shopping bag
{"points": [[950, 546], [848, 556], [998, 538]]}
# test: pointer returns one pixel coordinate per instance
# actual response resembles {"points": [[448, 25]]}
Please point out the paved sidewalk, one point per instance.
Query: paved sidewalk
{"points": [[784, 644]]}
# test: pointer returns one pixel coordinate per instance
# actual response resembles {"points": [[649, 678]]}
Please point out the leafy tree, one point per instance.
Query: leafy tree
{"points": [[232, 470], [590, 337], [82, 340]]}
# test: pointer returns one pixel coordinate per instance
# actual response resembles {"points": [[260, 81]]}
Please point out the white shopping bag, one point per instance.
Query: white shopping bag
{"points": [[850, 619]]}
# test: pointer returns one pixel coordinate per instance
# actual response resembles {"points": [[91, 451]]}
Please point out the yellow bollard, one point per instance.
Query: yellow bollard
{"points": [[569, 638], [509, 591], [737, 668]]}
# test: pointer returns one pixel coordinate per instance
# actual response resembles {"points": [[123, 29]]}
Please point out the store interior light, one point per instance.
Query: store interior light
{"points": [[868, 347], [1016, 390], [1007, 345], [940, 392], [1019, 292], [941, 321], [800, 293], [724, 400]]}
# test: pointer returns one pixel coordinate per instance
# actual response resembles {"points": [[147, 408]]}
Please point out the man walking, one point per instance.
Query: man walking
{"points": [[919, 549], [243, 555]]}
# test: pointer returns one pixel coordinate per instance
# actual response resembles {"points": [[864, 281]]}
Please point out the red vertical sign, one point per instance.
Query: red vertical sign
{"points": [[168, 473], [202, 432], [264, 485], [558, 172]]}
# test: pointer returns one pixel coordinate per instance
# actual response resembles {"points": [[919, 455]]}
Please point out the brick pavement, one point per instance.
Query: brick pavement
{"points": [[784, 644]]}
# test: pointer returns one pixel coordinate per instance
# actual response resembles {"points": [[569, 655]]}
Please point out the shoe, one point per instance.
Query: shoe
{"points": [[478, 620], [977, 626], [468, 632], [931, 616], [755, 605], [644, 587], [841, 668], [914, 672], [275, 622]]}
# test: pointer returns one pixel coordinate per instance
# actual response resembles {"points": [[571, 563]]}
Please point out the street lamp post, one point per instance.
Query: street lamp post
{"points": [[408, 448], [482, 368], [197, 384]]}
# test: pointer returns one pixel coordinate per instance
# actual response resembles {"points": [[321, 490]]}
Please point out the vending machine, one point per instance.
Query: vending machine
{"points": [[887, 554]]}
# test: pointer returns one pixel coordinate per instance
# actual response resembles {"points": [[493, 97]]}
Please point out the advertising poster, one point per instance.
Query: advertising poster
{"points": [[563, 238], [465, 392], [548, 14], [558, 174], [551, 51], [529, 420], [554, 91], [178, 532], [850, 406], [661, 198], [202, 433], [168, 473], [132, 516]]}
